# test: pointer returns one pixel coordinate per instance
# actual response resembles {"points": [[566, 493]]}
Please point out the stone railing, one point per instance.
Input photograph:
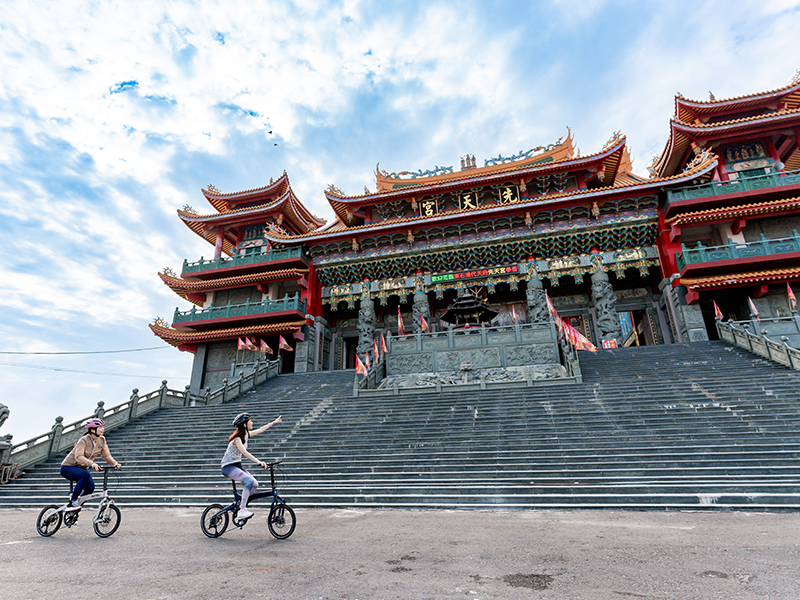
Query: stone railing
{"points": [[738, 334], [62, 437], [735, 250], [742, 184], [243, 259], [461, 358], [375, 374], [236, 310]]}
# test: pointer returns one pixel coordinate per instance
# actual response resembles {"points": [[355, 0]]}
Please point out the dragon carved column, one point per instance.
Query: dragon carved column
{"points": [[605, 303], [420, 308], [366, 321]]}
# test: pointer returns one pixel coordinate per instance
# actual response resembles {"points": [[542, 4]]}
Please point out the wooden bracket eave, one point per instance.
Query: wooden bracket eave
{"points": [[674, 233], [692, 296], [761, 291], [186, 347], [196, 297], [738, 225]]}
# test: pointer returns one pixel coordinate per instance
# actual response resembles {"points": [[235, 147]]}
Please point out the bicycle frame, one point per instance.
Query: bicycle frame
{"points": [[105, 499], [237, 497]]}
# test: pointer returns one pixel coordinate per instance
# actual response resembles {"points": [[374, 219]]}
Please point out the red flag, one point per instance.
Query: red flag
{"points": [[241, 345], [423, 323], [366, 361], [384, 349], [556, 318], [375, 350], [283, 345], [400, 329], [792, 297], [717, 311], [250, 345], [753, 309], [360, 368], [514, 313], [265, 349]]}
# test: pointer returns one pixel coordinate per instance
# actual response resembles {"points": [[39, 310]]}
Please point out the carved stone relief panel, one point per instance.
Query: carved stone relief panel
{"points": [[410, 363], [539, 354]]}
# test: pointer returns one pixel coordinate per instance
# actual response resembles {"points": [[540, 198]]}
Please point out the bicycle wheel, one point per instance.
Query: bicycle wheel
{"points": [[214, 522], [108, 522], [281, 521], [49, 520]]}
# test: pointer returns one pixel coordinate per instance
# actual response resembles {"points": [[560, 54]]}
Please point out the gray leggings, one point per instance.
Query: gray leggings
{"points": [[237, 474]]}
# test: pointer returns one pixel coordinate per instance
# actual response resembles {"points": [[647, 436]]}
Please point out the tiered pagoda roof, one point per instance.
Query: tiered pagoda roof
{"points": [[275, 204], [185, 339], [696, 121], [619, 183], [193, 290]]}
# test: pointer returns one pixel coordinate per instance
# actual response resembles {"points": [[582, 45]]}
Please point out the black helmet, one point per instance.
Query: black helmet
{"points": [[241, 419]]}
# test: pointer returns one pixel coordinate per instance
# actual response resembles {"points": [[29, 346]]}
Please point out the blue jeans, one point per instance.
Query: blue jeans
{"points": [[83, 478]]}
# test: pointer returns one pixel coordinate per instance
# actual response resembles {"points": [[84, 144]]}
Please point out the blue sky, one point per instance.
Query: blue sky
{"points": [[115, 114]]}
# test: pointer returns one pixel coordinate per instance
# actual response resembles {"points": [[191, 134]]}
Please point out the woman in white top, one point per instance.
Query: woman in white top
{"points": [[232, 459]]}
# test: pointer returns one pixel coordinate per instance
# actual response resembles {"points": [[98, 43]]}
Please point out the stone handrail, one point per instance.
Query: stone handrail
{"points": [[736, 250], [62, 437], [242, 259], [375, 374], [737, 333], [235, 310], [742, 184]]}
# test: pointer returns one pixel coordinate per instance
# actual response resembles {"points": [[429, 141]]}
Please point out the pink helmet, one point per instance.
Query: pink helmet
{"points": [[92, 423]]}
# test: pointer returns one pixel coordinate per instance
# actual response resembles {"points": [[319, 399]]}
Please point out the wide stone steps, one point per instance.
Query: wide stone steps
{"points": [[698, 425]]}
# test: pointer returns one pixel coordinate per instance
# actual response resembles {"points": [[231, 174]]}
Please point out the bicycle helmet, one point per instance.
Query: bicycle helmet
{"points": [[92, 423], [241, 419]]}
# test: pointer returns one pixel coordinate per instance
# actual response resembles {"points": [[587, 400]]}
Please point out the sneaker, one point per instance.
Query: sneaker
{"points": [[244, 514], [72, 506]]}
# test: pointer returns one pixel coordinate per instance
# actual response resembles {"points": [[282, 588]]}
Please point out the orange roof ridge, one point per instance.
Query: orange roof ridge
{"points": [[738, 210], [795, 83], [698, 169]]}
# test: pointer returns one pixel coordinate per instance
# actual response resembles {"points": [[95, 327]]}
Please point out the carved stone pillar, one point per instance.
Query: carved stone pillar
{"points": [[605, 303], [537, 302], [366, 324], [420, 308]]}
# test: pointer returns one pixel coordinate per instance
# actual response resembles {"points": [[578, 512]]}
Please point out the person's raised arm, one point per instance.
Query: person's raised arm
{"points": [[263, 428], [238, 443]]}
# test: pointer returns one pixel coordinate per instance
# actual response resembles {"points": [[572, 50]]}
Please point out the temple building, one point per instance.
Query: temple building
{"points": [[626, 259]]}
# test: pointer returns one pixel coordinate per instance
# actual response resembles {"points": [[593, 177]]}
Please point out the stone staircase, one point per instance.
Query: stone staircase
{"points": [[700, 426]]}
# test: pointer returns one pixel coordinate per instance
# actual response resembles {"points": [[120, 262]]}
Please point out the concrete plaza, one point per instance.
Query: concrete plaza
{"points": [[161, 554]]}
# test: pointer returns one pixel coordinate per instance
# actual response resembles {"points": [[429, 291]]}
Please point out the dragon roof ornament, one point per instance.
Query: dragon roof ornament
{"points": [[189, 209], [523, 154], [614, 139], [699, 159], [416, 174]]}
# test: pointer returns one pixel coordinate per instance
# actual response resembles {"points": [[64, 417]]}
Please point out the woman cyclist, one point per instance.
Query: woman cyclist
{"points": [[232, 459], [76, 465]]}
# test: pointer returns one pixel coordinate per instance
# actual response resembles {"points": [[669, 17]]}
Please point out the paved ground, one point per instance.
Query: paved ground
{"points": [[377, 554]]}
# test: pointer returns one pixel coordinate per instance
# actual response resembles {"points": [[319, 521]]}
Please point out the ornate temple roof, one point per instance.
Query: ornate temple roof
{"points": [[687, 110], [562, 150], [285, 213], [762, 277], [608, 160], [735, 212], [176, 337], [696, 120], [185, 287], [225, 202], [702, 169]]}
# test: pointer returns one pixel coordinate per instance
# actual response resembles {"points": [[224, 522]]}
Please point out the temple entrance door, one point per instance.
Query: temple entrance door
{"points": [[637, 329], [350, 345]]}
